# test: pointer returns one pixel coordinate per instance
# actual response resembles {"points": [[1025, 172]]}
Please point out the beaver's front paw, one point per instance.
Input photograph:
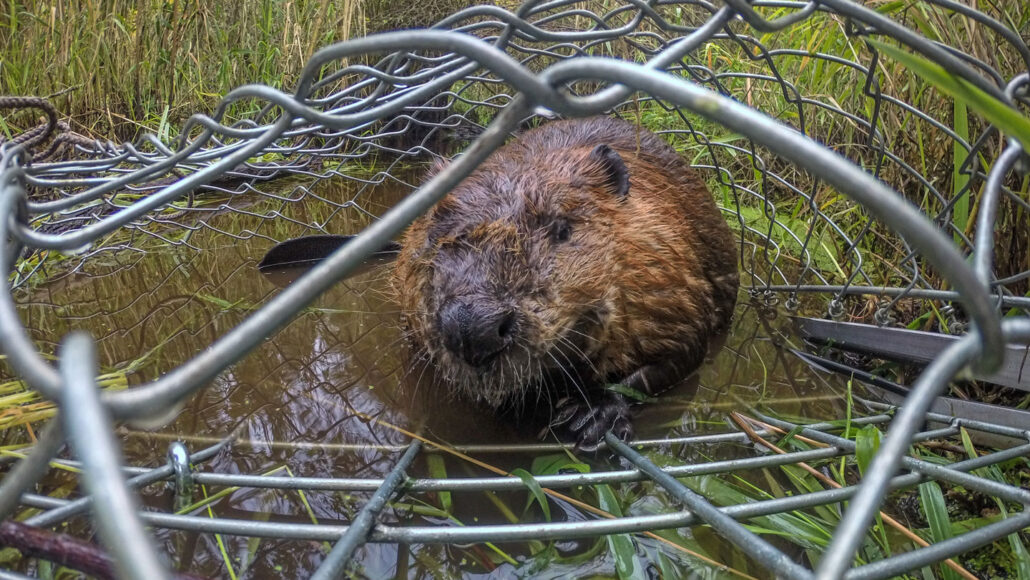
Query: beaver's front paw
{"points": [[588, 421]]}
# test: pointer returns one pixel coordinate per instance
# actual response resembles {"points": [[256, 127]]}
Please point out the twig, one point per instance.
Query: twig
{"points": [[63, 549]]}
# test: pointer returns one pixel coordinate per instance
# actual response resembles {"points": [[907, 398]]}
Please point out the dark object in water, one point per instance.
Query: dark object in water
{"points": [[309, 250], [289, 260]]}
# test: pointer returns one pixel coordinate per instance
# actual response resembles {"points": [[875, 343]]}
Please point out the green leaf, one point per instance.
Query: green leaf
{"points": [[918, 322], [438, 470], [669, 570], [1019, 550], [630, 392], [867, 443], [1009, 120], [937, 516], [250, 556], [967, 443], [797, 529], [621, 545], [1021, 556], [535, 491], [555, 463]]}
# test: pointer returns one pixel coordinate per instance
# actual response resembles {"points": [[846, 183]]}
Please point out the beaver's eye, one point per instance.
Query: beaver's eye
{"points": [[562, 231]]}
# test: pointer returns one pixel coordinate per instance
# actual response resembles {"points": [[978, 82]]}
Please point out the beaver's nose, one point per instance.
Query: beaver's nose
{"points": [[476, 333]]}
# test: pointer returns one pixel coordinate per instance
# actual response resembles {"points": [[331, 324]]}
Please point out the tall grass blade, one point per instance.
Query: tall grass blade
{"points": [[438, 470], [535, 491], [867, 442], [937, 516], [995, 111], [960, 211], [621, 545]]}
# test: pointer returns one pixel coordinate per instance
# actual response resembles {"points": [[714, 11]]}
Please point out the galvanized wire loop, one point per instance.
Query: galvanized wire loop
{"points": [[883, 315], [179, 458]]}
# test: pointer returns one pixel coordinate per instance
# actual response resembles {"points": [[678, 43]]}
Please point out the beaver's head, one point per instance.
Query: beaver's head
{"points": [[509, 281]]}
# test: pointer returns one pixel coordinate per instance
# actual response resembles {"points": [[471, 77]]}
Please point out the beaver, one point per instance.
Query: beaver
{"points": [[582, 253]]}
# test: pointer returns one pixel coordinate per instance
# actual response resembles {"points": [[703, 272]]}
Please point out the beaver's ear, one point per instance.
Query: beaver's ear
{"points": [[439, 164], [615, 172]]}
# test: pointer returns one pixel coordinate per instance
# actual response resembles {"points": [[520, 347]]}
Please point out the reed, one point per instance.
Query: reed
{"points": [[119, 66]]}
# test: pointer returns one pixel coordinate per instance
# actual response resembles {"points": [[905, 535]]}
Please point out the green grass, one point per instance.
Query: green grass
{"points": [[952, 102], [121, 66], [933, 511]]}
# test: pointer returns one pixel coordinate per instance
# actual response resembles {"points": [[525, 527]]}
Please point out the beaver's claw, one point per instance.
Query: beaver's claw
{"points": [[588, 421]]}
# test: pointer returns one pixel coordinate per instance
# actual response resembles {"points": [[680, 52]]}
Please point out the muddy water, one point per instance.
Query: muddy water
{"points": [[330, 393]]}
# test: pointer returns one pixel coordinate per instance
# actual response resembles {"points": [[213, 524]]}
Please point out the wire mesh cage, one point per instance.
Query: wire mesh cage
{"points": [[876, 181]]}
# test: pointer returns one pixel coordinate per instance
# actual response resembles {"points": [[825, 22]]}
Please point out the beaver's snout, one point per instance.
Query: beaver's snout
{"points": [[476, 331]]}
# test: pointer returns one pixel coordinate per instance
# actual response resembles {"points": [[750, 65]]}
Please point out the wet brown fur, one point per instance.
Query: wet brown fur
{"points": [[645, 277]]}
